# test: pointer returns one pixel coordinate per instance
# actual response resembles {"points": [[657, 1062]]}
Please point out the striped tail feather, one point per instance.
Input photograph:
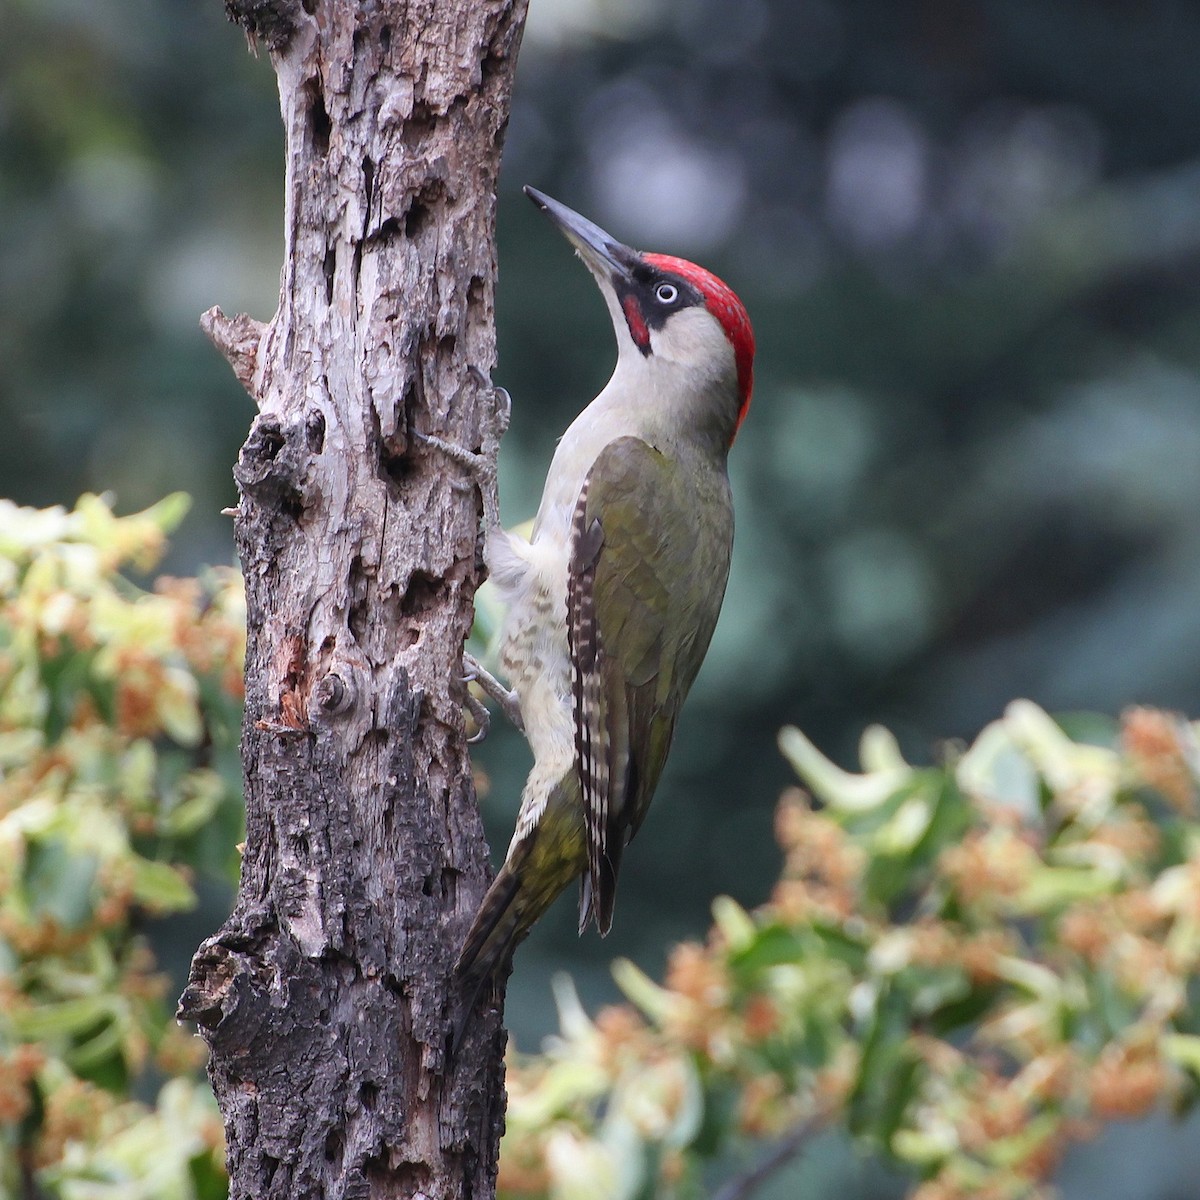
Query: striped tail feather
{"points": [[486, 953], [493, 932], [539, 866], [597, 904]]}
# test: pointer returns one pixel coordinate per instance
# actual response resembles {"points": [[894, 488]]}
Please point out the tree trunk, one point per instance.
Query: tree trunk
{"points": [[325, 998]]}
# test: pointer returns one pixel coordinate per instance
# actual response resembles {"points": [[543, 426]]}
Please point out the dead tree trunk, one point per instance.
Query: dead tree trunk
{"points": [[324, 997]]}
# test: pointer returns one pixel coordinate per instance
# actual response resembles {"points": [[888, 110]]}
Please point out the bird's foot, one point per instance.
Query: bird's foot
{"points": [[506, 698], [481, 464], [479, 714]]}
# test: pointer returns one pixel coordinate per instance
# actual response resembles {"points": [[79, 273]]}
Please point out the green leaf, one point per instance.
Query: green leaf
{"points": [[204, 790], [208, 1183], [718, 1118], [160, 886], [840, 945], [963, 1012], [98, 1049], [63, 1019], [893, 877], [64, 675], [1183, 1049], [653, 999], [902, 1086], [771, 946], [734, 922], [843, 791], [104, 1065], [1051, 889], [1111, 1010], [168, 513], [58, 882], [885, 1069]]}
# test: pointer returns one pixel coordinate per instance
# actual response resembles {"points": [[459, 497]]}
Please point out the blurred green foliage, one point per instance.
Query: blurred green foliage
{"points": [[119, 785], [965, 966], [140, 164]]}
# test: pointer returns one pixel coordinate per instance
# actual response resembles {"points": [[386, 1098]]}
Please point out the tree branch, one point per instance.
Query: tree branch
{"points": [[742, 1186], [238, 338]]}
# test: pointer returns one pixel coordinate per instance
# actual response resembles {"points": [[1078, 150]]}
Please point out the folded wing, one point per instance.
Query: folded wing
{"points": [[648, 566]]}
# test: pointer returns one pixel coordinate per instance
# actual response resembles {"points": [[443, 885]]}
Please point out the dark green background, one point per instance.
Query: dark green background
{"points": [[968, 235]]}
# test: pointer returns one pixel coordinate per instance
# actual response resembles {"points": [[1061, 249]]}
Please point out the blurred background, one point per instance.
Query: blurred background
{"points": [[968, 235]]}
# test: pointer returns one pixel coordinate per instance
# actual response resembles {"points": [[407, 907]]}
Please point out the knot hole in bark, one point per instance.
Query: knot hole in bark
{"points": [[359, 613], [314, 430], [396, 465], [319, 124], [329, 271], [418, 219], [274, 464], [368, 176], [424, 594]]}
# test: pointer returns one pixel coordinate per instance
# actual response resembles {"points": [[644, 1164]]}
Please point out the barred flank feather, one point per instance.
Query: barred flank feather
{"points": [[592, 750]]}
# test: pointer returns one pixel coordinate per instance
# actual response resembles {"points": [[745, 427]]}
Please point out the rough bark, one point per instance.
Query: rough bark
{"points": [[325, 996]]}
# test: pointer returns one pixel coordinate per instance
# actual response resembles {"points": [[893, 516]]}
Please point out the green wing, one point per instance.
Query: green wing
{"points": [[650, 546]]}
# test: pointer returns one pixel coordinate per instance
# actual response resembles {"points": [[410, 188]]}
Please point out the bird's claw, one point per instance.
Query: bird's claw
{"points": [[507, 699], [495, 426], [481, 717], [501, 413], [481, 463]]}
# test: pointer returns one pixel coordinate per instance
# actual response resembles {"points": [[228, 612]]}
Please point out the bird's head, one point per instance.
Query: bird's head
{"points": [[670, 315]]}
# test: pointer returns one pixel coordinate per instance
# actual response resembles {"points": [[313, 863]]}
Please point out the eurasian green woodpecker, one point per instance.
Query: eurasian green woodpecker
{"points": [[612, 601]]}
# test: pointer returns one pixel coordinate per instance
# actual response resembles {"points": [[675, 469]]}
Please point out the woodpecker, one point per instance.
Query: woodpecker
{"points": [[612, 600]]}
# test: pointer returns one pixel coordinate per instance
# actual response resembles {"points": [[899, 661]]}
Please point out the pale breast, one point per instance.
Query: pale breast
{"points": [[534, 653]]}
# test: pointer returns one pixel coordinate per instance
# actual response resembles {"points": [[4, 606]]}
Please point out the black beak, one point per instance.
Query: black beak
{"points": [[603, 255]]}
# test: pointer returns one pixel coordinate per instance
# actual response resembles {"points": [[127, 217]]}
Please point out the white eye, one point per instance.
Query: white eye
{"points": [[666, 293]]}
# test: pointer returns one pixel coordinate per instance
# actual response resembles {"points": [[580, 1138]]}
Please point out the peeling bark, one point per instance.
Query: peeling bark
{"points": [[325, 997]]}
